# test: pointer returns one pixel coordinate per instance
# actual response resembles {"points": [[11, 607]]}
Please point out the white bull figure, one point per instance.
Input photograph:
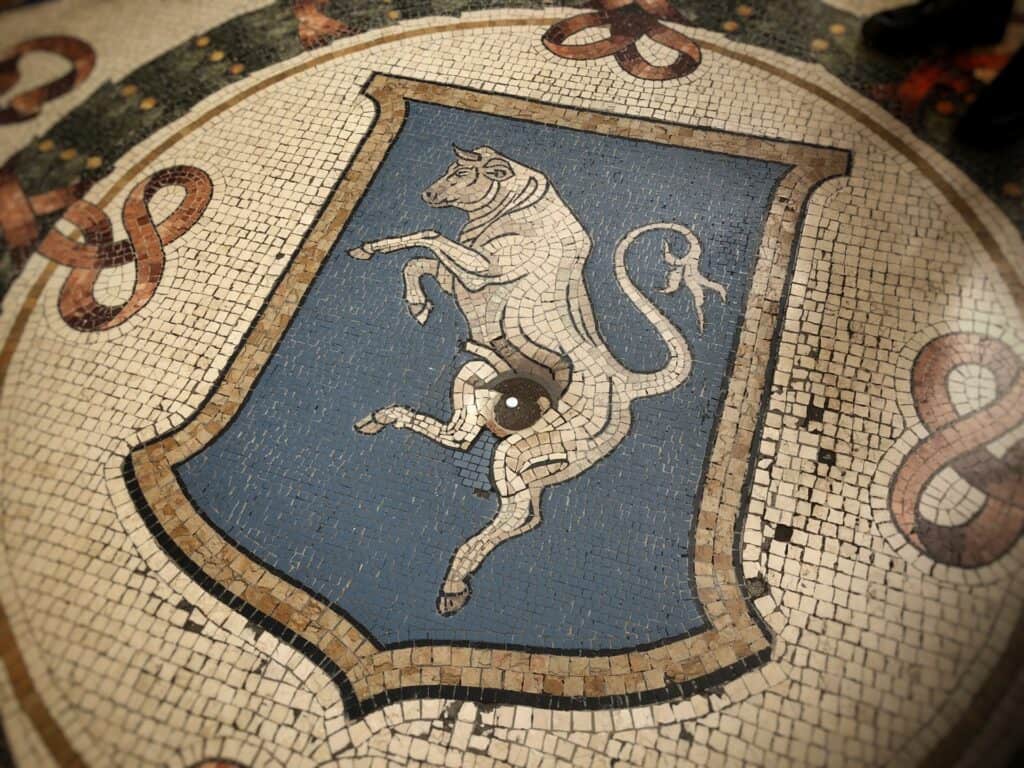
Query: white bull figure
{"points": [[543, 379]]}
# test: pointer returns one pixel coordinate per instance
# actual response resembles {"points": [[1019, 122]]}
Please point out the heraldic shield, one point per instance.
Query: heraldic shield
{"points": [[520, 345]]}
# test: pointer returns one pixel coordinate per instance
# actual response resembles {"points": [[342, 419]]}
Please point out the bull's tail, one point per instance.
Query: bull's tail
{"points": [[682, 271]]}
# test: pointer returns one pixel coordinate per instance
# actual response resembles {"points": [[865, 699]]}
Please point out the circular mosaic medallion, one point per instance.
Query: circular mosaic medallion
{"points": [[480, 384]]}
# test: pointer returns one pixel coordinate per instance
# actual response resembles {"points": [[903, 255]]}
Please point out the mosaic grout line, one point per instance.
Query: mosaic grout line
{"points": [[371, 601]]}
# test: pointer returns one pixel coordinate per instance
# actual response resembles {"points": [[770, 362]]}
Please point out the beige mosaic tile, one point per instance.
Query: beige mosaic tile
{"points": [[661, 420]]}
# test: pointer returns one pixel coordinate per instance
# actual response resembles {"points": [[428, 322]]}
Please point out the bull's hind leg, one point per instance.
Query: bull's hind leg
{"points": [[516, 515], [469, 398], [523, 466]]}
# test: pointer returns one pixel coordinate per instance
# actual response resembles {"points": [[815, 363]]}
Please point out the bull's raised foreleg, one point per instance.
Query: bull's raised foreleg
{"points": [[391, 244], [470, 400], [413, 273], [471, 268]]}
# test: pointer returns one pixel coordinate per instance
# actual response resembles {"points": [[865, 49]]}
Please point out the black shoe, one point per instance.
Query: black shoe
{"points": [[997, 117], [931, 24]]}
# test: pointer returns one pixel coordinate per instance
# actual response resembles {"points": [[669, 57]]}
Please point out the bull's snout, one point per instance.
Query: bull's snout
{"points": [[430, 196]]}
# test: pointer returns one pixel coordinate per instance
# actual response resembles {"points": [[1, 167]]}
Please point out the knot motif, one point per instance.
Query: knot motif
{"points": [[628, 21], [26, 105], [960, 442], [316, 28], [145, 246]]}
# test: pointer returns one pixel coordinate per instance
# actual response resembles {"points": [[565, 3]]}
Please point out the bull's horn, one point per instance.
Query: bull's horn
{"points": [[465, 154]]}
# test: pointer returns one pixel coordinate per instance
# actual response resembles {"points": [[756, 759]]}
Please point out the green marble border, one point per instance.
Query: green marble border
{"points": [[109, 123]]}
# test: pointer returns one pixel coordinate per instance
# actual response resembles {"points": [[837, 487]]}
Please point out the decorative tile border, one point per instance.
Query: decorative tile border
{"points": [[31, 703], [885, 128], [375, 675]]}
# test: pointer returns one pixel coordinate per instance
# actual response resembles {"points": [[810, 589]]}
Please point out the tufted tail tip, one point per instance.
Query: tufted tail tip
{"points": [[674, 274]]}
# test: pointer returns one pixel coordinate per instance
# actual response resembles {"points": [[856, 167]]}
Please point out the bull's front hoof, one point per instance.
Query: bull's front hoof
{"points": [[361, 253], [368, 425], [450, 603]]}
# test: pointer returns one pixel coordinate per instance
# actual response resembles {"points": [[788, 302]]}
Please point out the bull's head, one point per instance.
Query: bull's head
{"points": [[471, 182]]}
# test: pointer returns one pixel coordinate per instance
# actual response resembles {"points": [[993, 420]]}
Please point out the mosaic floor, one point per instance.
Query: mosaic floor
{"points": [[446, 383]]}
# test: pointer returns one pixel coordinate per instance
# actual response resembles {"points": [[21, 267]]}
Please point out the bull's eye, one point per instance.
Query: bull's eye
{"points": [[511, 402]]}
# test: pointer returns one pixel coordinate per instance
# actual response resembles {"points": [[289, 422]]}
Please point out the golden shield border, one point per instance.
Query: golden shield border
{"points": [[371, 675]]}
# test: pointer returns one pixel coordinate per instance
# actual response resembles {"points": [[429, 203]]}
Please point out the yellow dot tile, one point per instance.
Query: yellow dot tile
{"points": [[216, 55], [730, 26], [745, 11], [202, 42], [236, 69], [68, 154], [129, 89], [394, 15], [147, 103], [837, 30], [93, 162], [819, 44], [985, 74], [1012, 189], [46, 145]]}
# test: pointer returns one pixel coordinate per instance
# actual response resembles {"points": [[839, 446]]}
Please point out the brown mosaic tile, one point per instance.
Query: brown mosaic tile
{"points": [[854, 540]]}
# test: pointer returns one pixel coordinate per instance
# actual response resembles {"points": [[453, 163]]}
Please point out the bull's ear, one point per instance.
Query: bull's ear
{"points": [[498, 169]]}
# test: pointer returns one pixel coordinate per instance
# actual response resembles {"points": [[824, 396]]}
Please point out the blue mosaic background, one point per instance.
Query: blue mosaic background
{"points": [[370, 523]]}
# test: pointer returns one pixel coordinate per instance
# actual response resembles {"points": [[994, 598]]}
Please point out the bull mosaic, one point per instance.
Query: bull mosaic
{"points": [[543, 379]]}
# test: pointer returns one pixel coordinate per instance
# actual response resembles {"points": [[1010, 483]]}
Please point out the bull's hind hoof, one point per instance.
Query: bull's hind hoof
{"points": [[421, 311], [369, 425], [360, 253], [450, 603]]}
